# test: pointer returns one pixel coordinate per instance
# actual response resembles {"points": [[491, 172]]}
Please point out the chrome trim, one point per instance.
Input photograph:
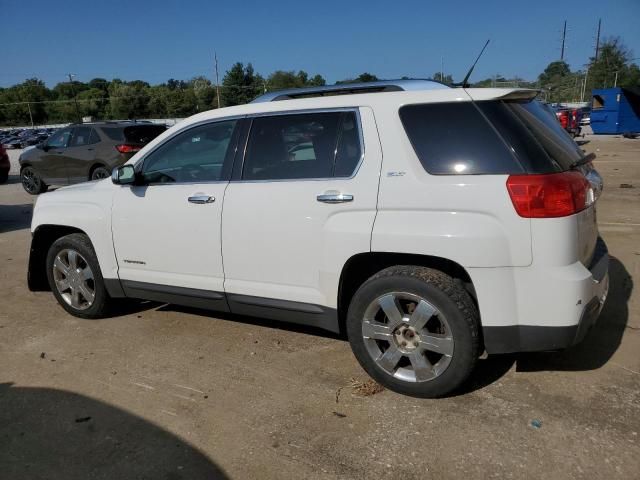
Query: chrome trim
{"points": [[201, 199], [356, 110], [334, 197]]}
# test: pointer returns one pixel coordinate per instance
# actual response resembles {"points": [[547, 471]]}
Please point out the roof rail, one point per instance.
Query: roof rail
{"points": [[351, 88]]}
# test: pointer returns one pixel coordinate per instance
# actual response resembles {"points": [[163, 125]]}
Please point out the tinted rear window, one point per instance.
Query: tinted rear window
{"points": [[143, 133], [491, 137], [134, 133], [535, 135], [454, 138]]}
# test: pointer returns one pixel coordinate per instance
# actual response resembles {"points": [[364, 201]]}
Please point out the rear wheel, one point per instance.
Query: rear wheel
{"points": [[414, 330], [4, 176], [99, 173], [31, 181], [75, 278]]}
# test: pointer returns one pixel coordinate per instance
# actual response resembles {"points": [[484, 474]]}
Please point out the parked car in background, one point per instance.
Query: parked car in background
{"points": [[586, 116], [83, 152], [569, 119], [34, 139], [428, 225], [5, 166]]}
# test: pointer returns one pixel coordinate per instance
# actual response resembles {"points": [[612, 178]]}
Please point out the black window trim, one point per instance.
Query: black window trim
{"points": [[237, 172], [226, 170]]}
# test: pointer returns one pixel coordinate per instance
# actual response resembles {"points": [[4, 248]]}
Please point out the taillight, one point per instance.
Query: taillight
{"points": [[551, 195], [126, 148], [563, 117]]}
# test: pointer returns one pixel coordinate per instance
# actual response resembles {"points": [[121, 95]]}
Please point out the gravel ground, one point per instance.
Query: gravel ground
{"points": [[167, 392]]}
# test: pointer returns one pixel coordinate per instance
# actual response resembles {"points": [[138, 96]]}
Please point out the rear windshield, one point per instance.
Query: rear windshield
{"points": [[493, 137], [134, 133], [534, 135]]}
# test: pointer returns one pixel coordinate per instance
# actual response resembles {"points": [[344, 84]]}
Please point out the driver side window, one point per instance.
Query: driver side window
{"points": [[196, 155], [60, 139]]}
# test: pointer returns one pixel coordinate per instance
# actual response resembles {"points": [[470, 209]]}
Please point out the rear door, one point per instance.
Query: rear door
{"points": [[80, 154], [302, 203]]}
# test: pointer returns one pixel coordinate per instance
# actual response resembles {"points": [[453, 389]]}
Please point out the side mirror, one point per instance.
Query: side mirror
{"points": [[123, 175], [44, 146]]}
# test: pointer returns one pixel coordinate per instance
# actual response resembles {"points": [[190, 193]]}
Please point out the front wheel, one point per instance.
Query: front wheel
{"points": [[75, 278], [31, 181], [99, 173], [414, 330]]}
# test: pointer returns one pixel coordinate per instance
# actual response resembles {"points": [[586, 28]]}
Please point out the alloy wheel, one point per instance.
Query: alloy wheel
{"points": [[407, 337], [30, 181], [74, 279]]}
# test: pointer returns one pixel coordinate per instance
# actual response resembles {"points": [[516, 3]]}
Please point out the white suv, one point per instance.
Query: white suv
{"points": [[427, 223]]}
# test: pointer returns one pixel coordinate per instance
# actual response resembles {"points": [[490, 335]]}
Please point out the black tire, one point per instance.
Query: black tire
{"points": [[4, 177], [80, 243], [450, 299], [100, 172], [31, 181]]}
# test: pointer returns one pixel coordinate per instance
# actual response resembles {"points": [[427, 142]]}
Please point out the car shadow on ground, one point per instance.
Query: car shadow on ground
{"points": [[601, 342], [592, 353], [15, 217], [12, 180], [261, 322], [47, 433]]}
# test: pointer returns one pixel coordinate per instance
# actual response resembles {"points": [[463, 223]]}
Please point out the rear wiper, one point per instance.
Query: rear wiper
{"points": [[582, 161]]}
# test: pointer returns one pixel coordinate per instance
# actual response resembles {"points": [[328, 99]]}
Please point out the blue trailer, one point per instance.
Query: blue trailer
{"points": [[615, 110]]}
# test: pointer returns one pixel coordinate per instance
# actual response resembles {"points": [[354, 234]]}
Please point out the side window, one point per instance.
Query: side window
{"points": [[349, 151], [455, 139], [59, 139], [80, 136], [196, 155], [294, 146], [94, 137]]}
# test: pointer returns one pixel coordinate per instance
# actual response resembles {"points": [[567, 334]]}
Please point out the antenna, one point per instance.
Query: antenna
{"points": [[464, 83]]}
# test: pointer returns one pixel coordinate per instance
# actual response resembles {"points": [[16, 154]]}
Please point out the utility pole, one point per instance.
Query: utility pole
{"points": [[75, 100], [442, 69], [31, 116], [564, 35], [598, 39], [215, 57]]}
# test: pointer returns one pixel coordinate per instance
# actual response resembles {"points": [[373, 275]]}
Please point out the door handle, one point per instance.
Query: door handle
{"points": [[201, 199], [334, 197]]}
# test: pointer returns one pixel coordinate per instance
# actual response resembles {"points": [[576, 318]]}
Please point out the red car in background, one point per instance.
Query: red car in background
{"points": [[4, 165], [570, 119]]}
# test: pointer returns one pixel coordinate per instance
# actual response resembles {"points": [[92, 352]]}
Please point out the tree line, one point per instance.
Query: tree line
{"points": [[32, 102]]}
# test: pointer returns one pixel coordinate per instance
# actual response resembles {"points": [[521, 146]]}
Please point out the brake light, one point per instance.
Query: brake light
{"points": [[126, 148], [563, 117], [551, 195]]}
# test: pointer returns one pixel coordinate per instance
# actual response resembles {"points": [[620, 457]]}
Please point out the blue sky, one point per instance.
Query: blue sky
{"points": [[162, 39]]}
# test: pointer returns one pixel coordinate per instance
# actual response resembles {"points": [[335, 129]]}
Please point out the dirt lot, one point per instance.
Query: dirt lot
{"points": [[166, 392]]}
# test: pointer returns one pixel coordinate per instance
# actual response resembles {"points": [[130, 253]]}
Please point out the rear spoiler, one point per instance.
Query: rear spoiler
{"points": [[521, 94]]}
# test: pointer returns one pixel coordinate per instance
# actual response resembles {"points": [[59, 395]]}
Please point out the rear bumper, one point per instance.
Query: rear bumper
{"points": [[532, 338]]}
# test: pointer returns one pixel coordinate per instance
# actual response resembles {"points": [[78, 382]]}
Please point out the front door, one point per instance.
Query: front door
{"points": [[305, 203], [166, 230], [52, 164]]}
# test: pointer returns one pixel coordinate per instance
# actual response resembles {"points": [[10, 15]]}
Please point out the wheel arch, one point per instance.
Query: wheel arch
{"points": [[43, 238], [96, 165], [358, 268]]}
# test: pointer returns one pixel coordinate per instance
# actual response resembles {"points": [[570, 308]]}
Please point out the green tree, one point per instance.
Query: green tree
{"points": [[446, 79], [241, 85], [363, 77], [613, 66], [128, 100]]}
